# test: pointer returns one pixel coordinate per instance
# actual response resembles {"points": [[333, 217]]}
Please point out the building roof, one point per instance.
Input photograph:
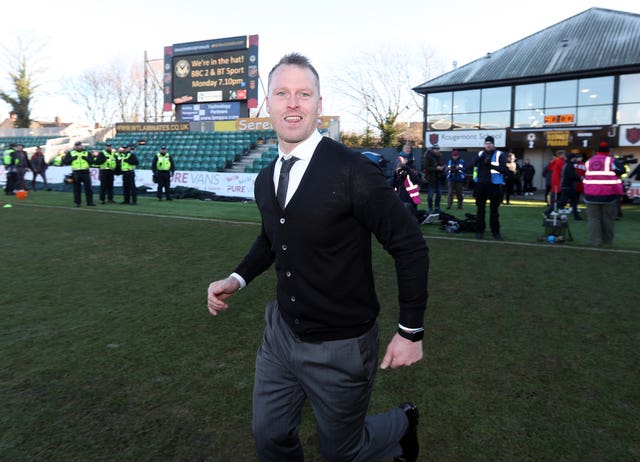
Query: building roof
{"points": [[597, 41]]}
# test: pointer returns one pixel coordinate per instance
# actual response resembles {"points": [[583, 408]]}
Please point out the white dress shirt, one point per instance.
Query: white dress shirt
{"points": [[304, 152]]}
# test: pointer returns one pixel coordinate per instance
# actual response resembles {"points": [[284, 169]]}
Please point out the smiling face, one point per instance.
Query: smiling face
{"points": [[294, 104]]}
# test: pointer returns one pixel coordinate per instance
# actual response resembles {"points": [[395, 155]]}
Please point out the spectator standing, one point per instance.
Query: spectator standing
{"points": [[38, 165], [568, 194], [491, 166], [455, 179], [407, 152], [622, 170], [320, 203], [406, 182], [528, 172], [433, 168], [518, 179], [555, 173], [602, 190], [546, 175], [80, 161], [581, 169], [163, 168], [510, 177]]}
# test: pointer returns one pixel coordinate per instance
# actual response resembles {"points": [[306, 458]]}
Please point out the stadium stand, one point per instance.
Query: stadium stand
{"points": [[207, 151], [26, 141]]}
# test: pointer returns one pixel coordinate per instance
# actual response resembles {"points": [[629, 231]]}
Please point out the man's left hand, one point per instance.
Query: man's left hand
{"points": [[401, 352]]}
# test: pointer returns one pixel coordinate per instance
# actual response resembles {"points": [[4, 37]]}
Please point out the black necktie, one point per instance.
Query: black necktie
{"points": [[283, 180]]}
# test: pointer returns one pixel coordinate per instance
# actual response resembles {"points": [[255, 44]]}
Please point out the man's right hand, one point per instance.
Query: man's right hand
{"points": [[220, 291]]}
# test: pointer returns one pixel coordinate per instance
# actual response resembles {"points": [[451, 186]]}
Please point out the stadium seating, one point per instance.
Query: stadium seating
{"points": [[26, 141], [210, 151]]}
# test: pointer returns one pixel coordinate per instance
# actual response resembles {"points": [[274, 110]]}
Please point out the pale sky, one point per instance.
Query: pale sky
{"points": [[80, 34]]}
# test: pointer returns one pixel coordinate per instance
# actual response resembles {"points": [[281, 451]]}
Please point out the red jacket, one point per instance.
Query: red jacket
{"points": [[555, 167]]}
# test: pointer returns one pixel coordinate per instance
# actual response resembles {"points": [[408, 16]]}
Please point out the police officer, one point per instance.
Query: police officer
{"points": [[128, 162], [80, 161], [107, 162], [163, 168], [21, 163], [12, 173]]}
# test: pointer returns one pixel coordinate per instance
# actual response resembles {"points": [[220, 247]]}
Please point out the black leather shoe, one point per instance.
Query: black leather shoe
{"points": [[409, 441]]}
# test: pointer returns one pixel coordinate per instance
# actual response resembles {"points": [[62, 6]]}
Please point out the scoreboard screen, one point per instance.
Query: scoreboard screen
{"points": [[209, 78], [214, 71]]}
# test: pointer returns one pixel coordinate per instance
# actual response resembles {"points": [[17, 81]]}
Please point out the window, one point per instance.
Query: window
{"points": [[562, 93], [439, 103], [594, 91], [439, 122], [595, 115], [496, 99], [466, 121], [466, 101], [498, 119], [628, 114], [528, 119], [530, 96], [629, 91]]}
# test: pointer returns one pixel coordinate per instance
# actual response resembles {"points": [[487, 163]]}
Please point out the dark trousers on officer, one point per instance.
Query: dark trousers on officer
{"points": [[106, 185], [164, 184], [129, 187], [82, 177], [493, 193]]}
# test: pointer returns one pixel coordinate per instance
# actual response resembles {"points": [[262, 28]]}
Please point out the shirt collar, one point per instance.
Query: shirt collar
{"points": [[305, 149]]}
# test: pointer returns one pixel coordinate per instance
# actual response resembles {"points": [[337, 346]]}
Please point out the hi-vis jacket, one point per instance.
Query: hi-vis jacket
{"points": [[601, 184], [128, 162], [110, 160], [163, 163], [490, 170], [79, 160]]}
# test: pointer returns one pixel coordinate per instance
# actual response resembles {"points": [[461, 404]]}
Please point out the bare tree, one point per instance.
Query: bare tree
{"points": [[129, 92], [378, 85], [111, 94], [91, 91]]}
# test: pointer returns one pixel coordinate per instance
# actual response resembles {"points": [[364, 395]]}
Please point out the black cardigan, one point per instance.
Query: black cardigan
{"points": [[321, 246]]}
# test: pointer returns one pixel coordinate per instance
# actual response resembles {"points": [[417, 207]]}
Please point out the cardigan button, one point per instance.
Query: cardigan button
{"points": [[284, 247], [293, 298], [288, 274], [282, 221]]}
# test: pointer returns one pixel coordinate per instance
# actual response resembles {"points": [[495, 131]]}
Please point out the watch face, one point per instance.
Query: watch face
{"points": [[182, 68]]}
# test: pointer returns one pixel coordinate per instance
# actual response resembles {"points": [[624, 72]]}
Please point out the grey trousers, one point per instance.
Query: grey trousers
{"points": [[601, 221], [337, 378]]}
